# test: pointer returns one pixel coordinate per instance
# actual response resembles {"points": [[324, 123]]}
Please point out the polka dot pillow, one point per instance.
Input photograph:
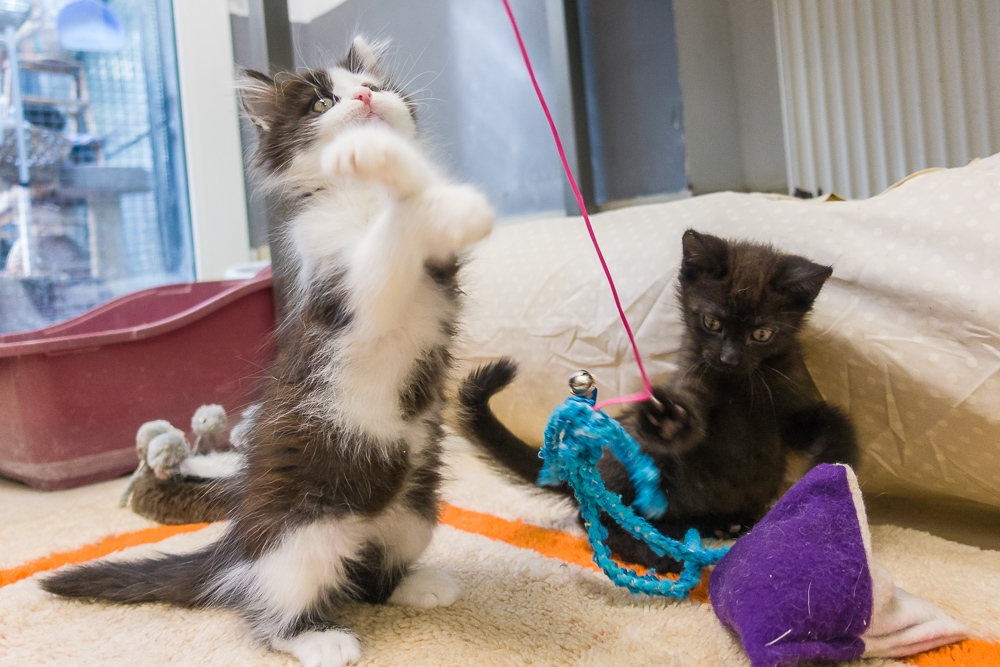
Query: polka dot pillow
{"points": [[905, 335]]}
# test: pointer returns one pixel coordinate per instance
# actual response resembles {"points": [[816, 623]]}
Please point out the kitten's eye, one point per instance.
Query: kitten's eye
{"points": [[762, 335], [372, 87], [322, 104], [711, 323]]}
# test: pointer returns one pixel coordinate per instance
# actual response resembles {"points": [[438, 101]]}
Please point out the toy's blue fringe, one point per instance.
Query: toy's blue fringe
{"points": [[574, 441]]}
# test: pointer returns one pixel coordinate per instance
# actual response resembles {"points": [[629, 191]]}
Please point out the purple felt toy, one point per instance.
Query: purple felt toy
{"points": [[802, 585]]}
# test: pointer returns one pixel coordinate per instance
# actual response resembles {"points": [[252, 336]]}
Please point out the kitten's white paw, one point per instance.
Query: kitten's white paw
{"points": [[329, 648], [425, 588], [459, 216], [376, 154]]}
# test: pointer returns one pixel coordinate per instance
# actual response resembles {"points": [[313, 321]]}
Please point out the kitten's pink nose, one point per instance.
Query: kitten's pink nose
{"points": [[363, 94]]}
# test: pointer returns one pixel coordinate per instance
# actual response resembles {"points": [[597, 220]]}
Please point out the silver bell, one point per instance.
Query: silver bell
{"points": [[581, 383]]}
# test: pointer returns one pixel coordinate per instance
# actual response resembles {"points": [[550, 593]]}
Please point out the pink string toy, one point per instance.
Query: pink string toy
{"points": [[647, 392]]}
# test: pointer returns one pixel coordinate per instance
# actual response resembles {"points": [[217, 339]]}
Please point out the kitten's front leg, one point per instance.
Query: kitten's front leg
{"points": [[446, 218], [672, 420], [430, 220], [382, 155]]}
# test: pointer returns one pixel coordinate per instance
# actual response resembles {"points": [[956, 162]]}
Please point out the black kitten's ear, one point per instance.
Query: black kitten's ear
{"points": [[259, 96], [362, 57], [704, 254], [801, 279]]}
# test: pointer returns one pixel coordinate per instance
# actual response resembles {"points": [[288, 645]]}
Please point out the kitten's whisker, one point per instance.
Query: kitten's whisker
{"points": [[775, 370], [428, 84], [753, 376], [705, 369], [701, 363], [763, 381], [414, 63]]}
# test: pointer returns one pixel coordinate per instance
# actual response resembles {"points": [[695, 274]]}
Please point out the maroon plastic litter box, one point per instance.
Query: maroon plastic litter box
{"points": [[73, 395]]}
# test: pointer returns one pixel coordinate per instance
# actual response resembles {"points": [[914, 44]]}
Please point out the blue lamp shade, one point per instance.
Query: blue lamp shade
{"points": [[89, 25]]}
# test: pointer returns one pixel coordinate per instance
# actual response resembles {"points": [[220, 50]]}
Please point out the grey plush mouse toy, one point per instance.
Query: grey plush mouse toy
{"points": [[161, 447], [207, 423]]}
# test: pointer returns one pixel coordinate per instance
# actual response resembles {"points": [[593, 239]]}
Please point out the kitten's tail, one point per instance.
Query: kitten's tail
{"points": [[482, 427], [180, 579]]}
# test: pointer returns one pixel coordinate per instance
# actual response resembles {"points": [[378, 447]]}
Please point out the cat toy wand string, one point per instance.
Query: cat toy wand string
{"points": [[647, 392], [579, 430]]}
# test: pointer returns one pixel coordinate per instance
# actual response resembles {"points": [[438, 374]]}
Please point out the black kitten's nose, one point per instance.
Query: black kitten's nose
{"points": [[730, 358]]}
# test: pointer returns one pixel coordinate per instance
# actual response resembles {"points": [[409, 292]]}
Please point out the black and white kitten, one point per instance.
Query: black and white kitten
{"points": [[740, 401], [338, 493]]}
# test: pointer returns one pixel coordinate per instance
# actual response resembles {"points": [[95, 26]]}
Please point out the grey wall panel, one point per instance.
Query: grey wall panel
{"points": [[633, 98], [711, 114], [242, 54], [732, 103], [758, 95]]}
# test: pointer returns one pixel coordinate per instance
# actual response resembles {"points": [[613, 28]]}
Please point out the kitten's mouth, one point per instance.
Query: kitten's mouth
{"points": [[717, 365], [364, 113]]}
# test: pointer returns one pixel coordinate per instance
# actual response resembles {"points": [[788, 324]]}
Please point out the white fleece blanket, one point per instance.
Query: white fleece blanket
{"points": [[517, 607]]}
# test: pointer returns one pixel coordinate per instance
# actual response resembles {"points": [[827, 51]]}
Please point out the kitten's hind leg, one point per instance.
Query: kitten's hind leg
{"points": [[291, 594], [822, 432], [321, 648], [311, 634], [425, 588], [628, 549], [382, 572]]}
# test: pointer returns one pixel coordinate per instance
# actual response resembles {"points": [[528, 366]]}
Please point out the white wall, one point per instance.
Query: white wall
{"points": [[212, 148]]}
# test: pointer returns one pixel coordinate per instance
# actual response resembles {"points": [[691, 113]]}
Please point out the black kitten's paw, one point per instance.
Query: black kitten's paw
{"points": [[733, 532], [823, 432], [667, 565], [663, 416]]}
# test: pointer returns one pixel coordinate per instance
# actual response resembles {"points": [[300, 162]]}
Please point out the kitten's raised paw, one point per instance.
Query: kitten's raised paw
{"points": [[425, 588], [665, 417], [457, 217], [376, 154], [328, 648]]}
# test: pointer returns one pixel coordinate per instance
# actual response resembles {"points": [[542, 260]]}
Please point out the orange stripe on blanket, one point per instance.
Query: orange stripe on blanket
{"points": [[550, 543], [92, 551], [970, 653]]}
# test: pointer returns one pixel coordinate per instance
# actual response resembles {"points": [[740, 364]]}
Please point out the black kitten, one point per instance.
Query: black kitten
{"points": [[741, 399]]}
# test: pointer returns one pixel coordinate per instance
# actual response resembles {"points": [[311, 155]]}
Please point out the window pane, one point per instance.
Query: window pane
{"points": [[104, 211]]}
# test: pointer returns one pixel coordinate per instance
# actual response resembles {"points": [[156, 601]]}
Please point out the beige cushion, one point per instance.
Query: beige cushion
{"points": [[905, 336]]}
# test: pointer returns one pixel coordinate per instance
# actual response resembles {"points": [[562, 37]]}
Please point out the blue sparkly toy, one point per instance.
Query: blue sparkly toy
{"points": [[574, 442]]}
